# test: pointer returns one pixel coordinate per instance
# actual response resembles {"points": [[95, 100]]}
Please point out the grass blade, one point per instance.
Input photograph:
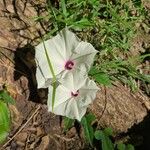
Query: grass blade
{"points": [[53, 74], [63, 5]]}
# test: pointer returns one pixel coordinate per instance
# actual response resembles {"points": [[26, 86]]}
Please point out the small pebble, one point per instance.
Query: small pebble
{"points": [[39, 131]]}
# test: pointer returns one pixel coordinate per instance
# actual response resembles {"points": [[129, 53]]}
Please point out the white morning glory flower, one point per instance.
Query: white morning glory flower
{"points": [[66, 52], [73, 96]]}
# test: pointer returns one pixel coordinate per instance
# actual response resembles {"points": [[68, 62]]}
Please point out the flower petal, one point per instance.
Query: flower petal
{"points": [[65, 103], [43, 70], [40, 78], [54, 54], [62, 95], [84, 55], [59, 109], [70, 109], [59, 50], [88, 92], [70, 40], [73, 80], [74, 110]]}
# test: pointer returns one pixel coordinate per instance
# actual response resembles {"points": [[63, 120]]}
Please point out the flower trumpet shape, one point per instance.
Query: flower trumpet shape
{"points": [[73, 96], [66, 52]]}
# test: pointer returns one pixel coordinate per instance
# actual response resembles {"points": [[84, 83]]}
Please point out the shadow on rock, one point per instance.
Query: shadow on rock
{"points": [[25, 66], [139, 134]]}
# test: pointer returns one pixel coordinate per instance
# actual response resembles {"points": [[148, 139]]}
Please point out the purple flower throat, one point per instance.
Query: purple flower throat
{"points": [[69, 65], [75, 94]]}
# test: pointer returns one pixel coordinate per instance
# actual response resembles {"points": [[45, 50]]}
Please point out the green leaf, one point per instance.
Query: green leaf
{"points": [[106, 141], [93, 71], [82, 23], [100, 77], [88, 129], [121, 146], [4, 95], [4, 121], [63, 5], [3, 135], [98, 134], [129, 147], [68, 123], [90, 118], [108, 131]]}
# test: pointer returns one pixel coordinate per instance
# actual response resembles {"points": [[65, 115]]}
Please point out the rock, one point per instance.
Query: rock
{"points": [[44, 143], [21, 137], [117, 107], [39, 131], [17, 26], [72, 132], [21, 144]]}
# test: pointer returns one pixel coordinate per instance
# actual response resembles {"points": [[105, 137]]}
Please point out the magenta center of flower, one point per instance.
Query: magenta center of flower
{"points": [[75, 94], [69, 65]]}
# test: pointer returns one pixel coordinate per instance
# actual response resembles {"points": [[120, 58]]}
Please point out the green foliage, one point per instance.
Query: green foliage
{"points": [[86, 122], [107, 144], [124, 70], [113, 21], [72, 14], [110, 27], [91, 134], [4, 96], [100, 77], [121, 146], [68, 123], [5, 99], [4, 121], [104, 137], [129, 147]]}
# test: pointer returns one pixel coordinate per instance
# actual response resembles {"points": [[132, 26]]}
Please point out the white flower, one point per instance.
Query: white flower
{"points": [[73, 96], [66, 52]]}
